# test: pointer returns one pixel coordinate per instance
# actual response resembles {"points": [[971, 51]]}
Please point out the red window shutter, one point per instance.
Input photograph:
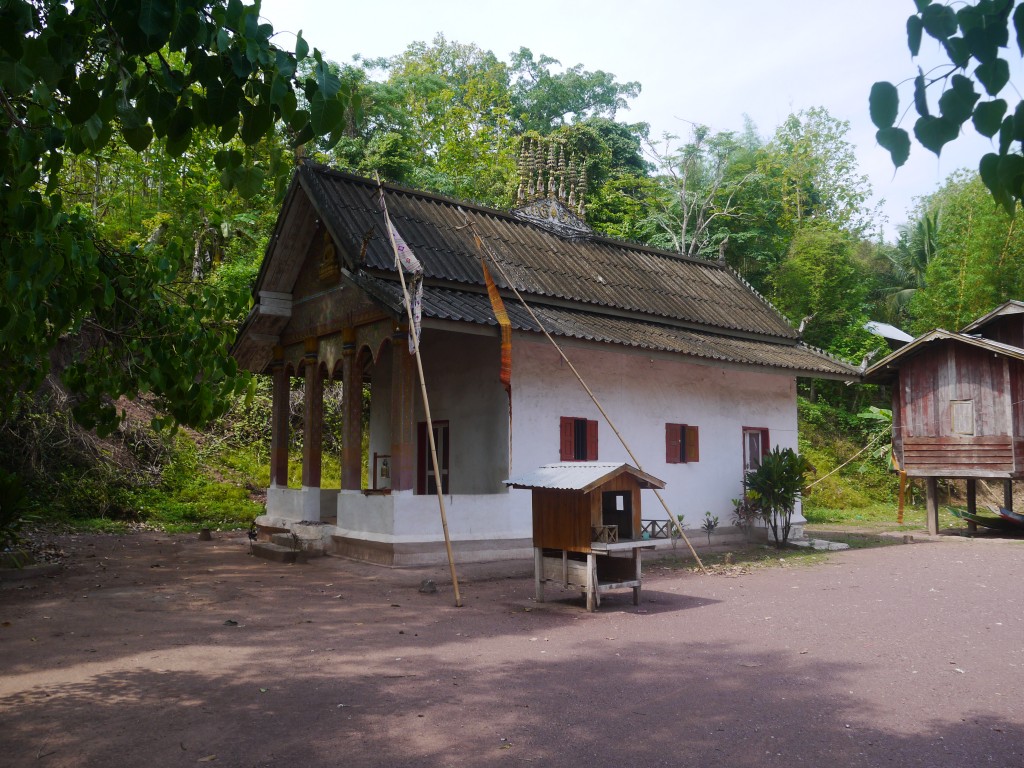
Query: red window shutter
{"points": [[692, 444], [673, 436], [566, 442], [422, 457], [766, 445], [591, 440]]}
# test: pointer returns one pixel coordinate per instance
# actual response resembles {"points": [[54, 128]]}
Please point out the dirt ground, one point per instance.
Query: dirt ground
{"points": [[158, 650]]}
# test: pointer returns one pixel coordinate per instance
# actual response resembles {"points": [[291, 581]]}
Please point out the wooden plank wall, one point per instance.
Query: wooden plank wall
{"points": [[561, 520], [954, 372], [620, 483], [980, 456], [950, 371]]}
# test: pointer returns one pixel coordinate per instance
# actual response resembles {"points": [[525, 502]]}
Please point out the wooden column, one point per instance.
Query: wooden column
{"points": [[972, 503], [279, 409], [932, 504], [352, 414], [312, 436], [1008, 494], [403, 414]]}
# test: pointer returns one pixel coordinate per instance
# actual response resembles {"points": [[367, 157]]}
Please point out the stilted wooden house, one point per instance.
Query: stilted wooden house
{"points": [[958, 404], [701, 369]]}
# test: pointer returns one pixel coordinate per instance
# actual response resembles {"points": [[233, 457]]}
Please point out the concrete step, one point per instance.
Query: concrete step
{"points": [[310, 546], [275, 552]]}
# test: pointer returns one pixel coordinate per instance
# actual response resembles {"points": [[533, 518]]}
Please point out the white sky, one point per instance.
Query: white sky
{"points": [[705, 61]]}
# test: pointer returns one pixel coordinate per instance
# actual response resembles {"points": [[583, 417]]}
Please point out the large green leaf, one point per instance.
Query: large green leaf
{"points": [[326, 115], [1018, 27], [988, 116], [939, 21], [957, 103], [935, 132], [993, 75], [920, 95], [883, 104], [897, 141], [914, 29], [156, 18]]}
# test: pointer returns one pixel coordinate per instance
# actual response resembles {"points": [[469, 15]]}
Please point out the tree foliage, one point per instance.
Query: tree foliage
{"points": [[975, 38], [543, 100], [977, 263], [77, 81]]}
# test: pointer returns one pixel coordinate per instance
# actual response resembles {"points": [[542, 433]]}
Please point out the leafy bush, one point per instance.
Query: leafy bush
{"points": [[775, 487]]}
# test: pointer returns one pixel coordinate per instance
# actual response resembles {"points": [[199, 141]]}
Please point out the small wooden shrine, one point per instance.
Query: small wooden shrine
{"points": [[587, 532]]}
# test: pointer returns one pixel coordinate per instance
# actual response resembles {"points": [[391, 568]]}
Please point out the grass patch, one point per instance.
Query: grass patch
{"points": [[875, 517]]}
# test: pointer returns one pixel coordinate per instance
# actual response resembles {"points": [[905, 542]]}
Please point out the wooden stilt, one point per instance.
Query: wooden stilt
{"points": [[1008, 494], [538, 574], [591, 581], [637, 564], [932, 504], [972, 503], [903, 496]]}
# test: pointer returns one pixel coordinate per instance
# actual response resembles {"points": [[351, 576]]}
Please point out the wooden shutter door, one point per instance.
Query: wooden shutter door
{"points": [[766, 445], [692, 444], [673, 437], [566, 439], [591, 440]]}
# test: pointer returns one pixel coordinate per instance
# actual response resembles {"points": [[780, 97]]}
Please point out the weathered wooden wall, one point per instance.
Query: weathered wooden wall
{"points": [[926, 442], [561, 520]]}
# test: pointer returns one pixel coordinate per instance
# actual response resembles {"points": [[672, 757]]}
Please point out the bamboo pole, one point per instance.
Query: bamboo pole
{"points": [[426, 401], [636, 462]]}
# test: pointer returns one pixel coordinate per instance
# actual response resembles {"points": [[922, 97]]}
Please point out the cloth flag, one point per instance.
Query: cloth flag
{"points": [[411, 265], [501, 315]]}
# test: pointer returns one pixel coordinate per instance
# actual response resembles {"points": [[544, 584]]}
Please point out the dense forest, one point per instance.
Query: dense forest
{"points": [[166, 230]]}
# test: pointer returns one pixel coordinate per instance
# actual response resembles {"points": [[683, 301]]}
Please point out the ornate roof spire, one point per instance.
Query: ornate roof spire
{"points": [[552, 186]]}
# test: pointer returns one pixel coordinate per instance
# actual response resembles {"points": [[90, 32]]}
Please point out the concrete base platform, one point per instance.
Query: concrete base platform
{"points": [[429, 553]]}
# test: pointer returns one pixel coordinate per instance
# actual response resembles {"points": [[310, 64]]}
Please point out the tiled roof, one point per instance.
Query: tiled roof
{"points": [[593, 271], [589, 287], [449, 304]]}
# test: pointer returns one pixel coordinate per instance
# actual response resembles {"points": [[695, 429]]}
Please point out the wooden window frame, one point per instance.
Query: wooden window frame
{"points": [[424, 466], [964, 405], [570, 446], [764, 447], [682, 444]]}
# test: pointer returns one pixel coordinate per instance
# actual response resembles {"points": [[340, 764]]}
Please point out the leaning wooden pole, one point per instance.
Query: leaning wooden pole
{"points": [[675, 521], [426, 400]]}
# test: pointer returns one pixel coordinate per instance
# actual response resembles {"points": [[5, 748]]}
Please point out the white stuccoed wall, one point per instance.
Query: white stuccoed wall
{"points": [[639, 391]]}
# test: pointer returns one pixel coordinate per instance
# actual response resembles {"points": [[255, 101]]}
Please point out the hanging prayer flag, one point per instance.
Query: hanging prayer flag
{"points": [[411, 265], [501, 315]]}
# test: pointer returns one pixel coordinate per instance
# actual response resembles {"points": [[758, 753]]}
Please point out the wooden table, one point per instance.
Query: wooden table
{"points": [[600, 571]]}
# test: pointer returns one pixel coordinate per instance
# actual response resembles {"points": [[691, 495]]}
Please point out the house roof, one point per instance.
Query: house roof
{"points": [[581, 476], [887, 366], [886, 331], [588, 287], [1011, 307]]}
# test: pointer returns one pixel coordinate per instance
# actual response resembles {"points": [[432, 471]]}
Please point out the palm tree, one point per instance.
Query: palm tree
{"points": [[916, 247]]}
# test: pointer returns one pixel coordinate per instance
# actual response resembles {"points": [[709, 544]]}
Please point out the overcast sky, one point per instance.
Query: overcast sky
{"points": [[698, 61]]}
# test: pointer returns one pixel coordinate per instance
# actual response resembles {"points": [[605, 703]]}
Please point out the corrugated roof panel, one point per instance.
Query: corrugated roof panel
{"points": [[594, 271], [449, 304], [579, 475]]}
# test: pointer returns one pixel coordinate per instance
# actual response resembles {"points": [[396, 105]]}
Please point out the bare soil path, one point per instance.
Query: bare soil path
{"points": [[157, 650]]}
